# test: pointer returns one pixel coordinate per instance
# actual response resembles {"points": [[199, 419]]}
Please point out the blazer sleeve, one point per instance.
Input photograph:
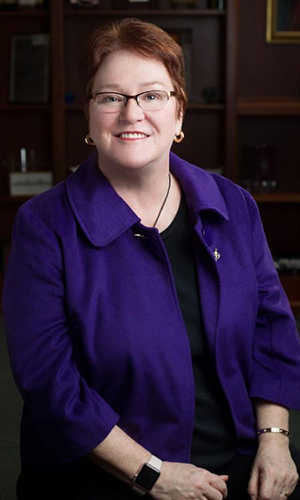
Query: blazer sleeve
{"points": [[276, 343], [70, 416]]}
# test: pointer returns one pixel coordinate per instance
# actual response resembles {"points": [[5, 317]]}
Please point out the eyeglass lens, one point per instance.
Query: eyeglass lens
{"points": [[149, 101]]}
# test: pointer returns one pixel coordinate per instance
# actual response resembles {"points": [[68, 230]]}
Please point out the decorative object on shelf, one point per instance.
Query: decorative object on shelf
{"points": [[283, 21], [8, 4], [73, 168], [287, 265], [212, 95], [135, 4], [184, 4], [29, 68], [185, 39], [31, 3], [69, 97], [29, 183], [27, 159], [258, 168], [85, 3], [217, 4], [217, 170]]}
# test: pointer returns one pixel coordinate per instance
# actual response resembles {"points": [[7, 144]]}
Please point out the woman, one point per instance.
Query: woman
{"points": [[148, 332]]}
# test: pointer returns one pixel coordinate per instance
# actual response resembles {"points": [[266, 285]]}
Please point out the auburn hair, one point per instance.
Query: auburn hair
{"points": [[139, 36]]}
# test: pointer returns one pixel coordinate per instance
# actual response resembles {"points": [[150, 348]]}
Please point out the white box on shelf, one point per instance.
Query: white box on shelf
{"points": [[29, 183]]}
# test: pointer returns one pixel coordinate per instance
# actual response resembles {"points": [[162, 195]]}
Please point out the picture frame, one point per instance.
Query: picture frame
{"points": [[29, 68], [283, 21]]}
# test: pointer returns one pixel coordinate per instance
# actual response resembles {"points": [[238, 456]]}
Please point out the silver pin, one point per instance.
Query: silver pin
{"points": [[138, 235], [216, 254]]}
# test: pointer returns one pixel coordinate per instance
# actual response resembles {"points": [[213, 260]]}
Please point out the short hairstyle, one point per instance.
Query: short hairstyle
{"points": [[139, 36]]}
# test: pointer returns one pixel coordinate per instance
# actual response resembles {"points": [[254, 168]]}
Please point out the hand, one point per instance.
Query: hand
{"points": [[187, 482], [274, 474]]}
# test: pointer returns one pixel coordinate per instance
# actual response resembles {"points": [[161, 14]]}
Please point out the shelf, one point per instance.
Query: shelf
{"points": [[192, 106], [295, 305], [25, 107], [13, 200], [143, 13], [291, 284], [277, 198], [206, 107], [23, 13], [268, 108]]}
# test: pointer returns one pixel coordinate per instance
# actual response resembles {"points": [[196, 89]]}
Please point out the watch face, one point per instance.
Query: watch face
{"points": [[147, 477]]}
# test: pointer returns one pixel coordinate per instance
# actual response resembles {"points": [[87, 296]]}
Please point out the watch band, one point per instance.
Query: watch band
{"points": [[143, 484]]}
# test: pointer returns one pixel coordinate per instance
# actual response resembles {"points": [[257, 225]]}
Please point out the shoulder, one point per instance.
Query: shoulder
{"points": [[48, 206], [213, 192]]}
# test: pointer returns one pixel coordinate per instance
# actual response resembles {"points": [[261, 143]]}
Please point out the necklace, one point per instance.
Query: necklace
{"points": [[164, 202]]}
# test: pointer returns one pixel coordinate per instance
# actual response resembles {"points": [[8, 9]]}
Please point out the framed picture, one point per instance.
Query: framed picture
{"points": [[29, 72], [283, 21]]}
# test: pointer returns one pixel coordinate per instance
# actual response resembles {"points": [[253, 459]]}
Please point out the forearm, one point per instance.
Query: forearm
{"points": [[119, 455], [122, 457], [274, 473], [271, 415]]}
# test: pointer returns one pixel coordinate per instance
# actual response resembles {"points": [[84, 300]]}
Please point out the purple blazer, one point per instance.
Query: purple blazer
{"points": [[95, 332]]}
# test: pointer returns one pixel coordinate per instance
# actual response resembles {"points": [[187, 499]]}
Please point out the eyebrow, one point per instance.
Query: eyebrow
{"points": [[118, 87]]}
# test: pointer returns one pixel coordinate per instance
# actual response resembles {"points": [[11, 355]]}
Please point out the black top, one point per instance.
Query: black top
{"points": [[213, 437]]}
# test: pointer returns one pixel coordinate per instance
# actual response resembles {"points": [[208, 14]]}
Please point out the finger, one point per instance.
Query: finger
{"points": [[219, 483], [212, 493], [253, 485], [266, 489]]}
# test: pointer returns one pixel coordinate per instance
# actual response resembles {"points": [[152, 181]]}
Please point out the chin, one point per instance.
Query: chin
{"points": [[134, 163]]}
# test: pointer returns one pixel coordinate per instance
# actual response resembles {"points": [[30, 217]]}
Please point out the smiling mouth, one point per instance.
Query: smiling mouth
{"points": [[133, 135]]}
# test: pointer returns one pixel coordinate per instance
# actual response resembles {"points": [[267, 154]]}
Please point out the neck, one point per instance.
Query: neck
{"points": [[144, 190]]}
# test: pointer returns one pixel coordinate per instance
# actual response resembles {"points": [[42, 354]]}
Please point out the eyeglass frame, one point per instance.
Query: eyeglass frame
{"points": [[170, 93]]}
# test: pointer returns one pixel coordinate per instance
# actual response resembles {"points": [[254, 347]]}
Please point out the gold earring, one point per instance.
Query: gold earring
{"points": [[88, 140], [178, 138]]}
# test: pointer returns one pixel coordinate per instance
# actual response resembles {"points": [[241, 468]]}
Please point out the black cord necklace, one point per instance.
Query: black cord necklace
{"points": [[164, 202]]}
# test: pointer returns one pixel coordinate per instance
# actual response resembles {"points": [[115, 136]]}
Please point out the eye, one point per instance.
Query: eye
{"points": [[153, 96], [109, 98]]}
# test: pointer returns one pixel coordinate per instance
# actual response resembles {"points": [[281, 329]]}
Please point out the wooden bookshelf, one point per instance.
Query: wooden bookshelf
{"points": [[260, 97]]}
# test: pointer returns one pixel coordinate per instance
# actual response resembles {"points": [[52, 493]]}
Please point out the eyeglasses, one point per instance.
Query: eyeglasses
{"points": [[151, 100]]}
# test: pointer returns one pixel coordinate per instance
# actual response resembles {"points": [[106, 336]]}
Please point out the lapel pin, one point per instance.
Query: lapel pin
{"points": [[216, 254]]}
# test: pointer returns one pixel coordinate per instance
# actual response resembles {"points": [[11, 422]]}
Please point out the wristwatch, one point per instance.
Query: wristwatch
{"points": [[147, 476]]}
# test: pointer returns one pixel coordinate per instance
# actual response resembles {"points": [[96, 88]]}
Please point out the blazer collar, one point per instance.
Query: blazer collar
{"points": [[103, 215], [201, 187]]}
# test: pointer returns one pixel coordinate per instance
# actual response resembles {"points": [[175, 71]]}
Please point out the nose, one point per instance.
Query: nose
{"points": [[131, 112]]}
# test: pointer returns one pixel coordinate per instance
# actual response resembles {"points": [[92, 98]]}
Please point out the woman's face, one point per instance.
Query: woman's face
{"points": [[130, 73]]}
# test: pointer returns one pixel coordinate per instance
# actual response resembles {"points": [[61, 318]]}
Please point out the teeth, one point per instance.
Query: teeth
{"points": [[133, 136]]}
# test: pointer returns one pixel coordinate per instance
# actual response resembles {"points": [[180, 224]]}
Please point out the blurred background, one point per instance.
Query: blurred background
{"points": [[243, 121]]}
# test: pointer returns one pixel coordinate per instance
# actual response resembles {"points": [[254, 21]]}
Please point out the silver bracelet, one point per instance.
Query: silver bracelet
{"points": [[276, 430]]}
